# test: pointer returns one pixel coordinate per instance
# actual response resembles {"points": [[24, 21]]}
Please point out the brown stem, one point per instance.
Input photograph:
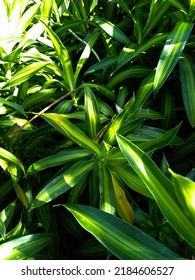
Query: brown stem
{"points": [[41, 112]]}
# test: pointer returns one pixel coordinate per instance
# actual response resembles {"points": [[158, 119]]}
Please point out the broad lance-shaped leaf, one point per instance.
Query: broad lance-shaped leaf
{"points": [[64, 126], [111, 30], [131, 72], [171, 52], [107, 202], [62, 183], [128, 53], [62, 157], [89, 41], [24, 247], [25, 73], [13, 105], [92, 114], [187, 77], [7, 156], [128, 175], [2, 229], [123, 206], [126, 113], [122, 239], [63, 56], [161, 188], [161, 141], [185, 191], [21, 195]]}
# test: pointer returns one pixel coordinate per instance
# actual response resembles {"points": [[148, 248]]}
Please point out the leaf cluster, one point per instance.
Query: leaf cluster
{"points": [[97, 116]]}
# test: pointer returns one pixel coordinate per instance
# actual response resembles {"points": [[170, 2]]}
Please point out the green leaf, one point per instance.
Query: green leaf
{"points": [[63, 56], [21, 195], [60, 158], [157, 10], [161, 141], [107, 201], [161, 188], [102, 64], [185, 191], [122, 239], [25, 73], [13, 105], [38, 97], [24, 247], [187, 77], [43, 214], [179, 5], [192, 8], [144, 91], [2, 229], [171, 52], [130, 178], [92, 115], [7, 213], [90, 40], [126, 113], [7, 156], [62, 183], [65, 127], [102, 89], [111, 30], [26, 20], [129, 52], [132, 72], [46, 9]]}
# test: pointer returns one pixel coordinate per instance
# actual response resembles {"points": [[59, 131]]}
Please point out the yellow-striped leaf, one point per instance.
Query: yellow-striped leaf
{"points": [[161, 188], [187, 77], [6, 155], [171, 52], [111, 30], [64, 126], [62, 183], [185, 191], [25, 73], [122, 239], [126, 113], [92, 115], [106, 189], [63, 56], [24, 247], [62, 157]]}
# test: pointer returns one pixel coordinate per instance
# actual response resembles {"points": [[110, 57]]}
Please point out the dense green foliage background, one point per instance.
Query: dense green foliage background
{"points": [[97, 141]]}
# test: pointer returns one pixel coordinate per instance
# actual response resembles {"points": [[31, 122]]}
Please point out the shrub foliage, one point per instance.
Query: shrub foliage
{"points": [[97, 117]]}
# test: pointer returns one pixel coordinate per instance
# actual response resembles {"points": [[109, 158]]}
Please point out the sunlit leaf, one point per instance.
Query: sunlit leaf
{"points": [[62, 157], [122, 239], [171, 52], [25, 73], [65, 127], [187, 77], [6, 155], [61, 184], [24, 247], [63, 56], [185, 191], [161, 188], [92, 115], [13, 105], [111, 30]]}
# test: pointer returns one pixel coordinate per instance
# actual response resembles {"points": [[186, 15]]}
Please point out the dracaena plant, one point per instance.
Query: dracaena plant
{"points": [[93, 131]]}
